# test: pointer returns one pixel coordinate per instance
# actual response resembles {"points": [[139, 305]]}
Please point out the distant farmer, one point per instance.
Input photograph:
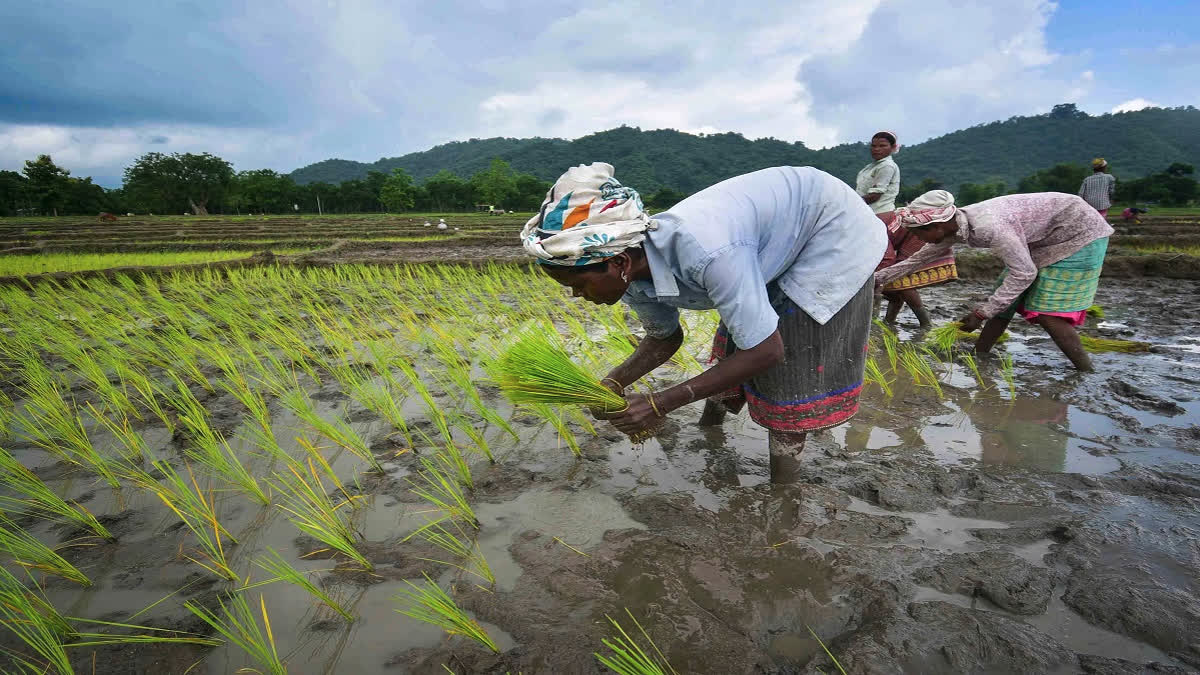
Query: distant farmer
{"points": [[1052, 246], [1133, 215], [878, 184], [1097, 189], [785, 255]]}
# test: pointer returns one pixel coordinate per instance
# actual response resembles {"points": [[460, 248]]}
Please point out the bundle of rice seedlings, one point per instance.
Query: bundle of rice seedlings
{"points": [[197, 509], [628, 658], [535, 370], [273, 563], [237, 623], [429, 603], [1096, 311], [434, 483], [944, 336], [1095, 344], [313, 513], [873, 374]]}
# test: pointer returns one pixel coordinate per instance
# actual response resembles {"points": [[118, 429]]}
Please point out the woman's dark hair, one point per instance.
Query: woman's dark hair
{"points": [[886, 136]]}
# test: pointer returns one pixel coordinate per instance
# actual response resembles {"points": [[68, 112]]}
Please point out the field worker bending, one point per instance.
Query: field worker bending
{"points": [[785, 255], [1052, 245]]}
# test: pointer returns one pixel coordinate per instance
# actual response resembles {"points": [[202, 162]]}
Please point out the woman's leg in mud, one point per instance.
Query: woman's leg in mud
{"points": [[992, 330], [785, 448], [913, 299], [895, 304], [713, 415], [1067, 338]]}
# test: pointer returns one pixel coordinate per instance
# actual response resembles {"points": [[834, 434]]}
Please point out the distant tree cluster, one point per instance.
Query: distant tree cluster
{"points": [[44, 188]]}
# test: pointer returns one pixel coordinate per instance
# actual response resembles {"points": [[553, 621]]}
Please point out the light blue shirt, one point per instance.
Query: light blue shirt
{"points": [[797, 229]]}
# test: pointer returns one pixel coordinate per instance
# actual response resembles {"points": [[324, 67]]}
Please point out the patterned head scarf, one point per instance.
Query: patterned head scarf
{"points": [[891, 135], [587, 217], [1099, 163], [935, 206]]}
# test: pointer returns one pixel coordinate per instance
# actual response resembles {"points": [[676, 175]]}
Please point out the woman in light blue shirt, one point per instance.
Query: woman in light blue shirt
{"points": [[785, 255]]}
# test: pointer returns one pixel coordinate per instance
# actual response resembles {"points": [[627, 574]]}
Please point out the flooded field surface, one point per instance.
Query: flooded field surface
{"points": [[1047, 526]]}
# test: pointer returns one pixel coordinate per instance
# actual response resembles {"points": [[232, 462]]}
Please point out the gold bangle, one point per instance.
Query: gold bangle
{"points": [[650, 398], [620, 387]]}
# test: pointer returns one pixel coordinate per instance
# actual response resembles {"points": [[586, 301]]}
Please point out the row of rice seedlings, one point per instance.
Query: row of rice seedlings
{"points": [[337, 431], [303, 496], [237, 623], [1095, 345], [131, 446], [627, 657], [429, 603], [34, 498], [377, 397], [273, 563], [196, 508], [30, 553], [147, 393], [459, 373]]}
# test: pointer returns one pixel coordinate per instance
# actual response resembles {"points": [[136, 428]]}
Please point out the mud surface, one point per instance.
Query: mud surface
{"points": [[1053, 533]]}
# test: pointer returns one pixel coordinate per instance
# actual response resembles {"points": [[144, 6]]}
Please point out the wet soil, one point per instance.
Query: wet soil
{"points": [[1057, 532]]}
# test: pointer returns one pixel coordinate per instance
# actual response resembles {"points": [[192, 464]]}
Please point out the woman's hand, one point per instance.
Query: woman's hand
{"points": [[643, 414], [613, 386], [971, 322]]}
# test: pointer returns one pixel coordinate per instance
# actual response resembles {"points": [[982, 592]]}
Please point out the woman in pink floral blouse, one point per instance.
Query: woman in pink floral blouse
{"points": [[1052, 246]]}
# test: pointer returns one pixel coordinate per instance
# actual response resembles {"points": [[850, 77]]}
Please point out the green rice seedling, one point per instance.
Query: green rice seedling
{"points": [[6, 415], [891, 343], [555, 419], [310, 509], [147, 394], [827, 652], [973, 366], [919, 370], [1095, 345], [430, 604], [459, 544], [337, 431], [1096, 311], [237, 623], [534, 370], [196, 508], [314, 454], [377, 397], [1007, 371], [132, 446], [36, 624], [875, 375], [37, 499], [435, 412], [26, 551], [273, 563], [434, 483], [628, 658], [209, 448]]}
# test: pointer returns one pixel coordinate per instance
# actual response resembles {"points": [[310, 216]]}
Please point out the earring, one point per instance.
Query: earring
{"points": [[624, 278]]}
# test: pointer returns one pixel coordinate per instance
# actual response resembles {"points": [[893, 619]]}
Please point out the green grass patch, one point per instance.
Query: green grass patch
{"points": [[25, 265]]}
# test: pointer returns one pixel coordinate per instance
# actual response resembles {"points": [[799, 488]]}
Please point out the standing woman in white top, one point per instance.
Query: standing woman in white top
{"points": [[878, 185]]}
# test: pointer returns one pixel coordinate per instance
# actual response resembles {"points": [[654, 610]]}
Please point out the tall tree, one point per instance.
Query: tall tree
{"points": [[169, 181], [47, 183], [1063, 177], [14, 193], [497, 185], [398, 192], [447, 191]]}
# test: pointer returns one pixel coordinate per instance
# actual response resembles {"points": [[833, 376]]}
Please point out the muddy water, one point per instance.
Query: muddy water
{"points": [[1054, 531]]}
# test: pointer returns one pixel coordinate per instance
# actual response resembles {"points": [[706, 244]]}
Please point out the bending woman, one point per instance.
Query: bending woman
{"points": [[878, 184], [785, 255], [1052, 246]]}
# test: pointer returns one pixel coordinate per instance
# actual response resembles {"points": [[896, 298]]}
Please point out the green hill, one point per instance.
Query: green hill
{"points": [[1136, 144]]}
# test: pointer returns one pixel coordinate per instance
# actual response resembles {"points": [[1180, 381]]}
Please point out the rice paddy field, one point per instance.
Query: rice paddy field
{"points": [[306, 465]]}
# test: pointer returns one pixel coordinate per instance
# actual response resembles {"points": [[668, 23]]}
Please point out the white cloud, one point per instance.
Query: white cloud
{"points": [[1134, 104]]}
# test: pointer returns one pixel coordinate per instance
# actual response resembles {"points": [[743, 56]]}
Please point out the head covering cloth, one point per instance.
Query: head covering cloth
{"points": [[1099, 163], [935, 206], [587, 217], [892, 135]]}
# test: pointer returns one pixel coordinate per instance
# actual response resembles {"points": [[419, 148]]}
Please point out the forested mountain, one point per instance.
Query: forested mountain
{"points": [[1135, 144]]}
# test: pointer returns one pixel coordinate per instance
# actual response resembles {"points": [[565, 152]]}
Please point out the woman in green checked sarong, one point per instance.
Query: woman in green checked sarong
{"points": [[1052, 246]]}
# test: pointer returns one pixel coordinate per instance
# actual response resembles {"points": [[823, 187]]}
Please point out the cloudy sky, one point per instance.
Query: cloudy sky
{"points": [[284, 83]]}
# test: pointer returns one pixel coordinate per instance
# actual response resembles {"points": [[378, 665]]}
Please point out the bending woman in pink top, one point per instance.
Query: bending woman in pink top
{"points": [[1052, 245]]}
